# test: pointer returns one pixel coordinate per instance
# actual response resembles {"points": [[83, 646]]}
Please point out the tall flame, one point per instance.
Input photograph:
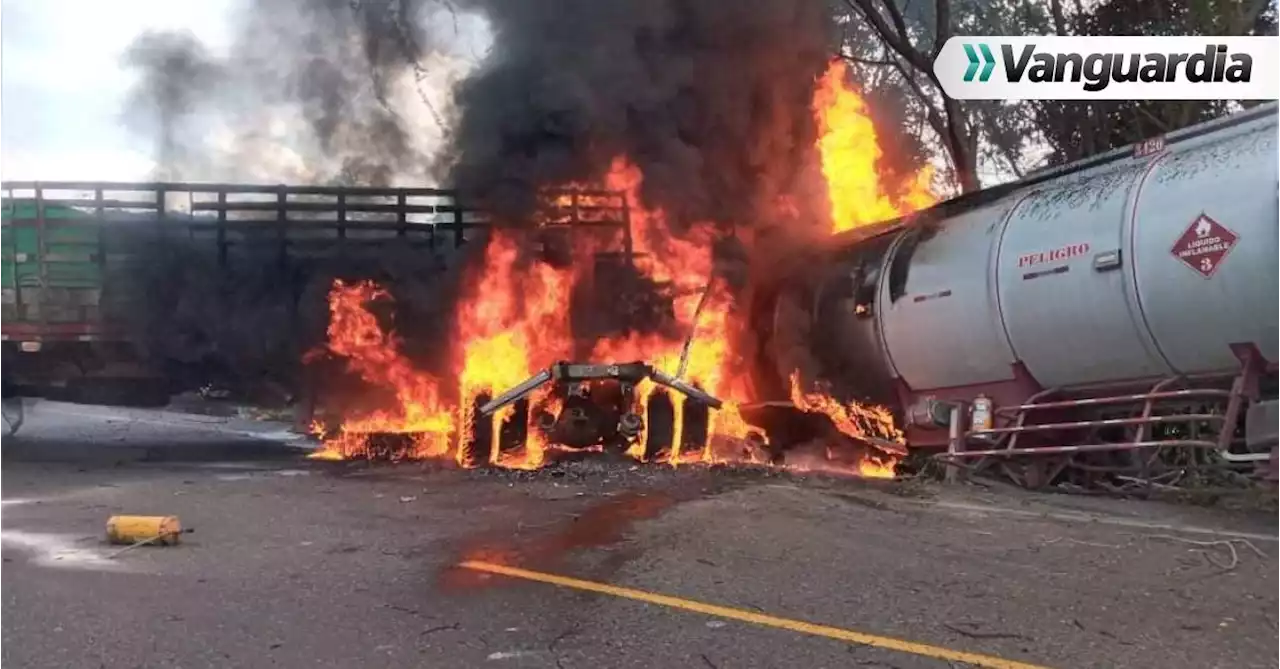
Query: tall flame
{"points": [[850, 151]]}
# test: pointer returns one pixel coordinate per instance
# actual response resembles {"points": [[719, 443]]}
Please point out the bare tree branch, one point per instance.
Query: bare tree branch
{"points": [[1059, 19], [864, 61], [1248, 17], [897, 38], [894, 37], [1158, 122], [943, 20], [932, 112], [899, 22]]}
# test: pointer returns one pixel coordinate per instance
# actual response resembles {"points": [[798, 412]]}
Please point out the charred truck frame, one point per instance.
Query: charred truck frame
{"points": [[598, 407]]}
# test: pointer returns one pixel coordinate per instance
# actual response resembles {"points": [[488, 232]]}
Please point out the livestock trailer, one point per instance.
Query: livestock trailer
{"points": [[81, 261]]}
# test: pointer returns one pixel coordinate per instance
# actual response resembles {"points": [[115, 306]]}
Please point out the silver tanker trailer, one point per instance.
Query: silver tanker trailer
{"points": [[1114, 315]]}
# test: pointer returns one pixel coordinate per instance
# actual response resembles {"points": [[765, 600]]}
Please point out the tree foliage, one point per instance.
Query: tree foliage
{"points": [[1075, 129]]}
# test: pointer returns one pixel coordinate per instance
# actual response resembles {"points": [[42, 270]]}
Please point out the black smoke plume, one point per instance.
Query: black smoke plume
{"points": [[319, 91], [177, 77], [307, 92], [710, 98]]}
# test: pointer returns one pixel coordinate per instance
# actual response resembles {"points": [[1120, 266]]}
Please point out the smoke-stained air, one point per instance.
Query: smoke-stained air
{"points": [[309, 91], [710, 99], [702, 111]]}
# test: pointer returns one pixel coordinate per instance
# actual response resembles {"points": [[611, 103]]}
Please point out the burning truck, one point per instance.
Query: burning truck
{"points": [[610, 323], [598, 330]]}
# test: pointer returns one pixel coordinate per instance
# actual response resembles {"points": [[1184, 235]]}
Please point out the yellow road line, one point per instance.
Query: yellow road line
{"points": [[900, 645]]}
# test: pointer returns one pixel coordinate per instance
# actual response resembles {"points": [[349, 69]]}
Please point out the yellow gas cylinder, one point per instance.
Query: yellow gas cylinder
{"points": [[137, 529]]}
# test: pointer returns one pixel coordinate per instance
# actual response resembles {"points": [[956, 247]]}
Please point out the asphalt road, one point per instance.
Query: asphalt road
{"points": [[296, 563]]}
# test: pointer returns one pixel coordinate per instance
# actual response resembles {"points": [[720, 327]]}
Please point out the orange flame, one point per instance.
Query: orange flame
{"points": [[354, 334], [850, 151], [515, 321], [511, 325], [856, 421]]}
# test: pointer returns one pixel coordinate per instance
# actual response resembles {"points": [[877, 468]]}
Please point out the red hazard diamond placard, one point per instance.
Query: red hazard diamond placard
{"points": [[1204, 245]]}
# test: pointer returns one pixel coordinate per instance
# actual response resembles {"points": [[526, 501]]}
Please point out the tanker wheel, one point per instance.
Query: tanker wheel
{"points": [[1035, 472]]}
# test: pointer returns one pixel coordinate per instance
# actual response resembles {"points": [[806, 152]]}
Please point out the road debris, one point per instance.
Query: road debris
{"points": [[136, 531], [1207, 554], [974, 633]]}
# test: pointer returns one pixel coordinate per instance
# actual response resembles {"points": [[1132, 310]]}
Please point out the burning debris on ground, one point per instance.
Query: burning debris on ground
{"points": [[604, 473]]}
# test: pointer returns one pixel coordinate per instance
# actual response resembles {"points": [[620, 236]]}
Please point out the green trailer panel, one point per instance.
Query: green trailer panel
{"points": [[49, 270]]}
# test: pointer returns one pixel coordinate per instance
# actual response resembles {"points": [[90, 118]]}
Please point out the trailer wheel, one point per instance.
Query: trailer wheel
{"points": [[513, 432], [695, 426]]}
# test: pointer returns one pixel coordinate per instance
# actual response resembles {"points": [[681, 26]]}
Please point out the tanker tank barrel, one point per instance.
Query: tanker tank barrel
{"points": [[1102, 295]]}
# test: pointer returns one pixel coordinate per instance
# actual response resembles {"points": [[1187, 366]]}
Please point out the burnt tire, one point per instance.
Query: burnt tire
{"points": [[695, 427], [660, 417], [514, 431], [479, 435], [389, 446]]}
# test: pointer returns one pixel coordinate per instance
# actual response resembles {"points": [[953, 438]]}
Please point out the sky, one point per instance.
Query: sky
{"points": [[62, 86]]}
